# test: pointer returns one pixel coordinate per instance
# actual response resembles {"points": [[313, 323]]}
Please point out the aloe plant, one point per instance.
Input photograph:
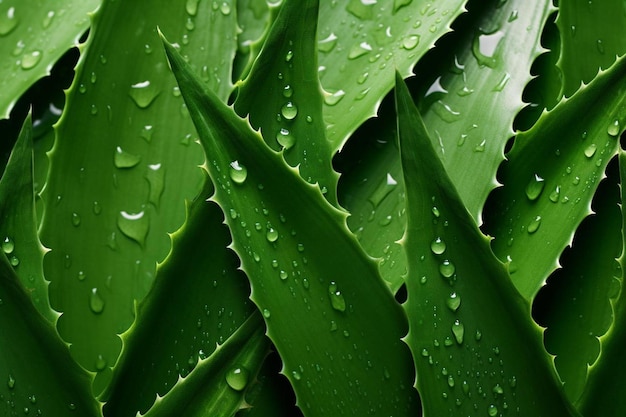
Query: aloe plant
{"points": [[314, 207]]}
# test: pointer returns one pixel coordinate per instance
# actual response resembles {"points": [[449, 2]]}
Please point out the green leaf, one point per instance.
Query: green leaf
{"points": [[36, 370], [253, 18], [474, 345], [604, 389], [331, 317], [469, 103], [33, 35], [18, 231], [284, 99], [551, 176], [217, 385], [362, 43], [589, 39], [122, 166]]}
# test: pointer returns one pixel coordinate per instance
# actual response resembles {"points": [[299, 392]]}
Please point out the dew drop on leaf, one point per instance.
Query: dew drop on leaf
{"points": [[458, 330], [447, 268], [8, 245], [11, 382], [358, 50], [438, 246], [123, 159], [191, 6], [484, 48], [8, 21], [534, 188], [450, 381], [96, 303], [266, 313], [492, 410], [143, 93], [554, 195], [134, 225], [410, 42], [397, 4], [47, 20], [31, 59], [101, 363], [156, 181], [75, 219], [334, 98], [327, 44], [238, 172], [590, 150], [237, 378], [336, 297], [534, 224], [614, 128], [285, 138], [271, 235], [225, 8], [289, 111], [453, 302]]}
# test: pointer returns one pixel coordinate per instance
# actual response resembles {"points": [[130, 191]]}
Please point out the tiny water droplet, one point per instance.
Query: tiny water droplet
{"points": [[478, 335], [11, 382], [447, 268], [497, 389], [534, 188], [96, 303], [554, 195], [296, 375], [358, 50], [458, 330], [143, 93], [238, 172], [450, 381], [614, 128], [266, 313], [289, 111], [237, 378], [81, 275], [8, 245], [48, 19], [134, 225], [123, 159], [438, 246], [534, 224], [336, 298], [453, 302], [283, 275], [75, 219], [492, 410], [14, 261], [31, 59]]}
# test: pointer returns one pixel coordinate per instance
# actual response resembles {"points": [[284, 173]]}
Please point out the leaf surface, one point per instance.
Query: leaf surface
{"points": [[123, 163], [551, 176], [475, 348], [333, 322]]}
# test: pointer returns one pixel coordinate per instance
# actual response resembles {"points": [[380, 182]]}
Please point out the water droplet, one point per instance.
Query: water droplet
{"points": [[289, 111], [614, 128], [438, 246], [81, 275], [458, 330], [554, 195], [11, 382], [590, 150], [156, 181], [238, 172], [143, 93], [359, 50], [450, 381], [447, 268], [363, 9], [48, 19], [8, 245], [398, 4], [8, 21], [134, 225], [287, 91], [534, 187], [478, 335], [192, 7], [334, 98], [266, 313], [123, 159], [101, 363], [336, 298], [96, 303], [285, 138], [327, 44], [75, 219], [271, 235], [453, 302], [513, 16], [600, 46], [502, 83], [31, 59], [296, 375], [497, 389], [481, 146], [14, 261], [534, 224], [484, 48], [225, 8], [492, 410], [237, 378], [410, 42]]}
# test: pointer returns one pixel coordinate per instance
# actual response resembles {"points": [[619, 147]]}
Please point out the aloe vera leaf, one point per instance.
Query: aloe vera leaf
{"points": [[123, 163], [33, 35], [574, 305], [603, 393], [591, 38], [373, 190], [473, 343], [217, 385], [37, 371], [316, 312], [551, 176], [18, 230], [361, 45], [283, 96]]}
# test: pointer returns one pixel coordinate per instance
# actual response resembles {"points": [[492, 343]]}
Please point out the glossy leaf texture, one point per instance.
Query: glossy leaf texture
{"points": [[592, 36], [551, 175], [602, 393], [253, 19], [123, 163], [34, 34], [474, 347], [283, 97], [362, 43], [18, 222], [575, 304], [36, 369], [332, 322], [217, 384], [199, 286], [470, 89]]}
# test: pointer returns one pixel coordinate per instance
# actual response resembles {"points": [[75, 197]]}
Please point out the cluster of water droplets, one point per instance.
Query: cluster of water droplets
{"points": [[8, 247]]}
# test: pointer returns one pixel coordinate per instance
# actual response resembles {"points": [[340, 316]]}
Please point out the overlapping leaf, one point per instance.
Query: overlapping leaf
{"points": [[333, 322], [474, 346]]}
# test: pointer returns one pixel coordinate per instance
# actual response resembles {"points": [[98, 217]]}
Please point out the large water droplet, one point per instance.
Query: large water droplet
{"points": [[458, 330], [271, 235], [285, 138], [438, 246], [134, 225], [31, 59], [96, 303], [143, 93], [534, 224], [534, 187], [614, 128], [238, 173], [289, 111], [8, 21], [334, 98], [453, 302], [411, 41], [336, 298], [123, 159], [237, 378], [327, 44], [590, 150], [8, 245], [447, 268]]}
